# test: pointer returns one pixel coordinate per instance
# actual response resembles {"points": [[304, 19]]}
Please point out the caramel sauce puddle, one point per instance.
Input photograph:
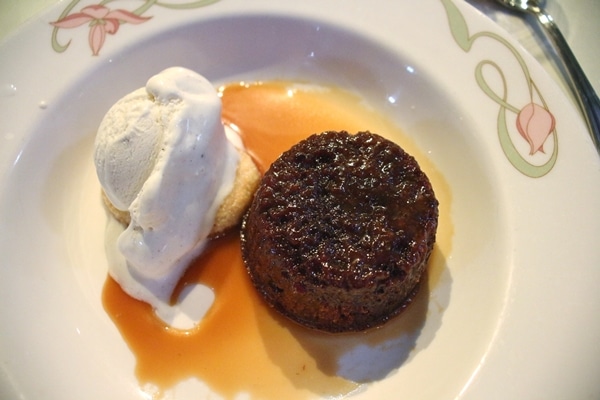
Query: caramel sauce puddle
{"points": [[241, 346]]}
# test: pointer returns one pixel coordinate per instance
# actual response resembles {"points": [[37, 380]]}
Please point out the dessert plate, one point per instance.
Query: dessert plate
{"points": [[513, 312]]}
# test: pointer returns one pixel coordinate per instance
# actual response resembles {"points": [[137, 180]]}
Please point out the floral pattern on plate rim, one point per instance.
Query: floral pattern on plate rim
{"points": [[534, 122], [103, 20]]}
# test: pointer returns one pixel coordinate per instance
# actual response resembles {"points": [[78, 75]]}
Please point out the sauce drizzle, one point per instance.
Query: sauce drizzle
{"points": [[241, 346]]}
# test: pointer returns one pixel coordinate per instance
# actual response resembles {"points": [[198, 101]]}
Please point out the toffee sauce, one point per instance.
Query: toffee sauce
{"points": [[241, 346]]}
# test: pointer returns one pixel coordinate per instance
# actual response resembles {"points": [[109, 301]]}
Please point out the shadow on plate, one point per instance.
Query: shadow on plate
{"points": [[370, 356]]}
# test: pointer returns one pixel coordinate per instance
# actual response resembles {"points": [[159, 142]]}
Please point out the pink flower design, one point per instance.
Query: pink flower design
{"points": [[535, 123], [101, 21]]}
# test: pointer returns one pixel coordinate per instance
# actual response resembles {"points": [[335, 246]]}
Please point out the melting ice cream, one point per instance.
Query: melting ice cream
{"points": [[163, 156]]}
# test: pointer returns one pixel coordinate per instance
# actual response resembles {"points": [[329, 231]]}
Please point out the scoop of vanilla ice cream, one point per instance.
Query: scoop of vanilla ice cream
{"points": [[162, 154]]}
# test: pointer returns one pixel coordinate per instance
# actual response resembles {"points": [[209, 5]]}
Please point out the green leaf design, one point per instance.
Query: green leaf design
{"points": [[458, 25], [60, 48]]}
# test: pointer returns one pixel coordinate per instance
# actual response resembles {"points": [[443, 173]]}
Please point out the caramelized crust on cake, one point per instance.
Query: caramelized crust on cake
{"points": [[231, 211], [340, 230]]}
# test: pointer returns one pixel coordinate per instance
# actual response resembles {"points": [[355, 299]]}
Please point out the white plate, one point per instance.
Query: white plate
{"points": [[518, 304]]}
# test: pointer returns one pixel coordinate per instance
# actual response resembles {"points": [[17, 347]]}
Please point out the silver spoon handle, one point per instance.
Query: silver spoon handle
{"points": [[578, 82]]}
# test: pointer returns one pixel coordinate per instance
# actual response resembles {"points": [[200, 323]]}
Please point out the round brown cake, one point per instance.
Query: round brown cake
{"points": [[340, 230]]}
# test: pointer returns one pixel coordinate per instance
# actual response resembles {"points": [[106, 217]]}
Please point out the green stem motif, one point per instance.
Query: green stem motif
{"points": [[59, 48], [460, 33], [502, 101], [143, 8], [195, 4], [178, 6]]}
